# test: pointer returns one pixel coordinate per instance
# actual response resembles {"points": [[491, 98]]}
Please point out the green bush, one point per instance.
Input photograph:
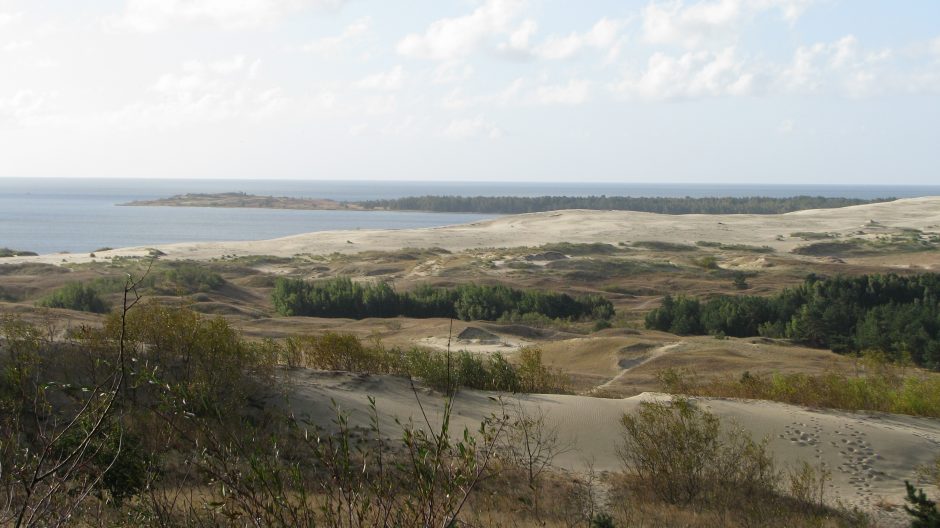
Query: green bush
{"points": [[76, 296]]}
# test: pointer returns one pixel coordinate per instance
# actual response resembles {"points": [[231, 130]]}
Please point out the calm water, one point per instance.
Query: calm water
{"points": [[80, 215]]}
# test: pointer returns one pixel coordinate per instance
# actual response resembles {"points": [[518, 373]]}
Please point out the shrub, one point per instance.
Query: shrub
{"points": [[76, 296], [677, 450]]}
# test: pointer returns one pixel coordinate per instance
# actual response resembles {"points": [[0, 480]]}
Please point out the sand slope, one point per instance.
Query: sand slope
{"points": [[870, 455], [571, 226]]}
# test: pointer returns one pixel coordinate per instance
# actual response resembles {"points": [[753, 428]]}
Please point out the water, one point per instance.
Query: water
{"points": [[81, 215]]}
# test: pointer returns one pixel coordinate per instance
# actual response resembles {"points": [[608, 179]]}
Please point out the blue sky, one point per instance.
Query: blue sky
{"points": [[776, 91]]}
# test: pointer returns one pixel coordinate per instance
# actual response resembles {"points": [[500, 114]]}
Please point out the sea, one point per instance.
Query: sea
{"points": [[56, 215]]}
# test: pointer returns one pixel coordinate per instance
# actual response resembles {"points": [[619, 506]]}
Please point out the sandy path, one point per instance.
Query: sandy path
{"points": [[870, 455], [654, 354]]}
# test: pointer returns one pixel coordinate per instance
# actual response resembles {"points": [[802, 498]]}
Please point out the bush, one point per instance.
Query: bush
{"points": [[76, 296], [879, 387], [676, 450]]}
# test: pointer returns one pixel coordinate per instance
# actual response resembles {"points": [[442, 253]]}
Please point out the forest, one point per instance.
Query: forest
{"points": [[686, 205], [341, 297], [896, 315]]}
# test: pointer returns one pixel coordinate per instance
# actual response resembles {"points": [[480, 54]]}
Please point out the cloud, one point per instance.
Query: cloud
{"points": [[476, 127], [330, 46], [603, 36], [16, 45], [575, 92], [204, 92], [452, 72], [148, 16], [23, 108], [385, 81], [689, 76], [8, 19], [691, 26], [839, 66], [453, 38]]}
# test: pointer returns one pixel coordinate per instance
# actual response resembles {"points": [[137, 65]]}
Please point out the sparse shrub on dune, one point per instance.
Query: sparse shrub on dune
{"points": [[877, 387], [76, 296]]}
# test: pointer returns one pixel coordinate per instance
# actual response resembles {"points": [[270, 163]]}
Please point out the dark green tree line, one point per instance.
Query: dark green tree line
{"points": [[893, 314], [341, 297]]}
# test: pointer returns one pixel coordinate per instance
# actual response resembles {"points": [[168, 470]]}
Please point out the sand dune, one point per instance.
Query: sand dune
{"points": [[570, 226], [869, 455]]}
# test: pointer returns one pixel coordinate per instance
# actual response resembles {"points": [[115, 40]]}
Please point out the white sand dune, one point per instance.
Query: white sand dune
{"points": [[570, 226], [870, 455]]}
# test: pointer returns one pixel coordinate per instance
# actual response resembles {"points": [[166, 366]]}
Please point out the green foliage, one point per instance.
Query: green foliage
{"points": [[602, 520], [76, 296], [569, 248], [687, 205], [664, 246], [896, 315], [923, 511], [342, 297], [190, 277], [879, 387], [7, 252], [677, 450]]}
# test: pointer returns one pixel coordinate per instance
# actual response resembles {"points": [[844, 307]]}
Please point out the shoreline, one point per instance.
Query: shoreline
{"points": [[574, 226]]}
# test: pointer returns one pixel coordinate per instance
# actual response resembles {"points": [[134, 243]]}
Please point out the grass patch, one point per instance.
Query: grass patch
{"points": [[747, 248], [813, 235], [603, 269], [664, 246], [574, 250], [859, 247]]}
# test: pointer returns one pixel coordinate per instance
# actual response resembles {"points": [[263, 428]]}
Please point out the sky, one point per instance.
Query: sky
{"points": [[709, 91]]}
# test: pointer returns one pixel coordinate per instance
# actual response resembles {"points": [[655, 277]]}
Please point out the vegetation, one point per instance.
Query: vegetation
{"points": [[678, 453], [342, 297], [76, 296], [860, 247], [7, 252], [572, 249], [896, 315], [664, 246], [735, 247], [687, 205], [923, 511], [875, 387]]}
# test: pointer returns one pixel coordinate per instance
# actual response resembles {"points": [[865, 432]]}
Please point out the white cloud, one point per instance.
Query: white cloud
{"points": [[22, 108], [675, 22], [691, 75], [452, 38], [155, 15], [330, 46], [839, 66], [452, 72], [575, 92], [476, 127], [787, 126], [8, 19], [16, 45], [386, 81], [603, 36], [204, 92]]}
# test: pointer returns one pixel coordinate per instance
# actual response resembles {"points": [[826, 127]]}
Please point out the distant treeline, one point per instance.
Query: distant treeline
{"points": [[896, 315], [341, 297], [687, 205]]}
